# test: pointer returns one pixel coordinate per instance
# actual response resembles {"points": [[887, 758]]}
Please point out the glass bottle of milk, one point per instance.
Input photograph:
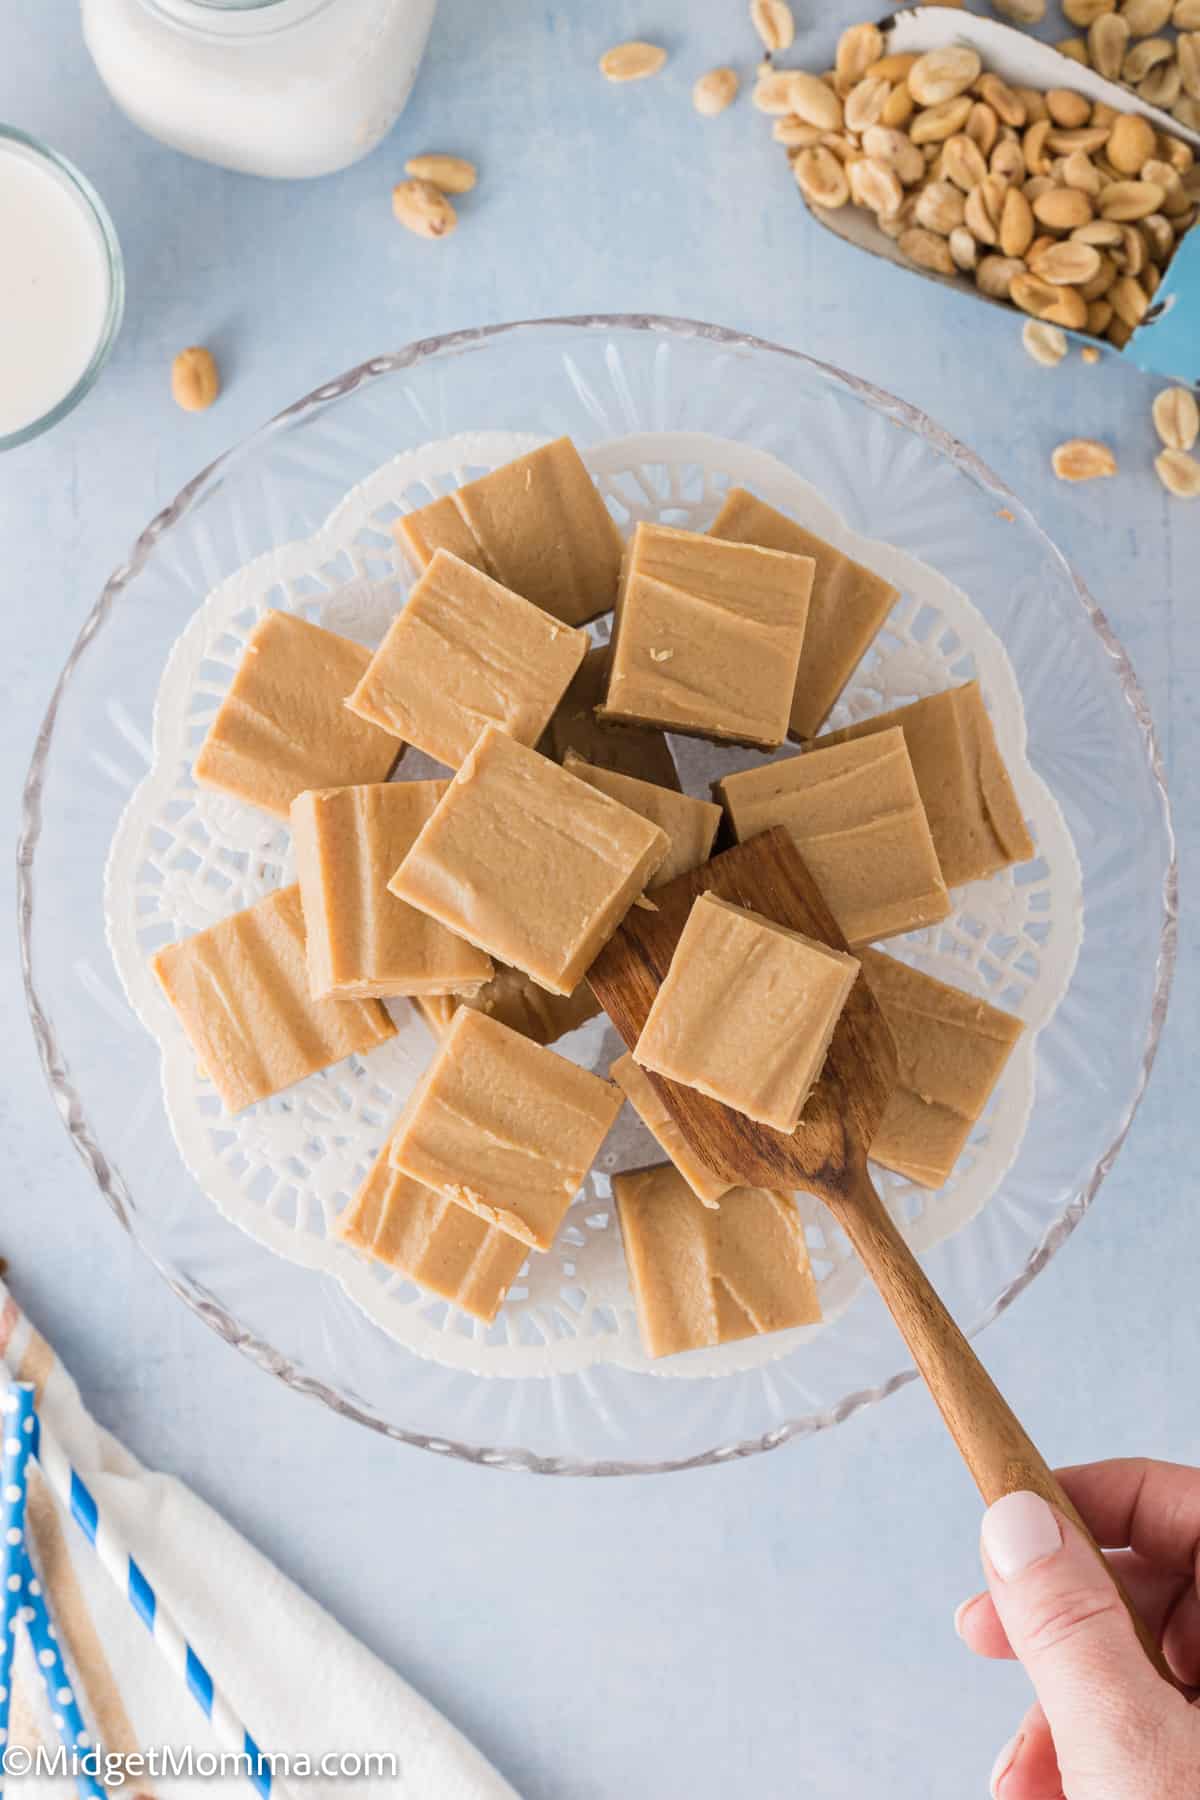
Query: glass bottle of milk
{"points": [[62, 288], [271, 87]]}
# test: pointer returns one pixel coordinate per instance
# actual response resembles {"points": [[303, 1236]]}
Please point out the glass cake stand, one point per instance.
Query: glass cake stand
{"points": [[891, 474]]}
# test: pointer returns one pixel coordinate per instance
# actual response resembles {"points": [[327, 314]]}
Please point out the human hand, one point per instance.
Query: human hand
{"points": [[1106, 1726]]}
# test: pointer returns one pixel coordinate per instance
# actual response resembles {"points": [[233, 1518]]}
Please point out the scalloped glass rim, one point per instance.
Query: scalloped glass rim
{"points": [[108, 1178]]}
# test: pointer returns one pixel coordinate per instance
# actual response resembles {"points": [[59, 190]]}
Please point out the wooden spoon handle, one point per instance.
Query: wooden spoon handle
{"points": [[994, 1445]]}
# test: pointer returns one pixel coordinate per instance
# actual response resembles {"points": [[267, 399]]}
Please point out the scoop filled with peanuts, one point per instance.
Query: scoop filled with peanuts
{"points": [[1067, 207]]}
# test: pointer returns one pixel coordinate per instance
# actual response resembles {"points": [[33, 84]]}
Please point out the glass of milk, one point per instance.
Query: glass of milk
{"points": [[62, 287]]}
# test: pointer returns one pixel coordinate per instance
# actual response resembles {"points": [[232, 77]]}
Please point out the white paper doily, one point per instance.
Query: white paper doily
{"points": [[183, 858]]}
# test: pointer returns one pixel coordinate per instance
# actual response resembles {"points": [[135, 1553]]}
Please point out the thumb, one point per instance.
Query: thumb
{"points": [[1107, 1708]]}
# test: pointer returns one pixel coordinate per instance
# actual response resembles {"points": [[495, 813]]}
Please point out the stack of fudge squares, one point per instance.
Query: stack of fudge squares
{"points": [[484, 897]]}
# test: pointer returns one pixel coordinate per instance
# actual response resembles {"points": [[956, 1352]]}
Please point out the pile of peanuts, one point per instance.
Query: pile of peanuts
{"points": [[1066, 207], [1127, 43]]}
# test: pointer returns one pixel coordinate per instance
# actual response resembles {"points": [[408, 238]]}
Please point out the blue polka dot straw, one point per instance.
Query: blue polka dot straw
{"points": [[17, 1422], [56, 1678]]}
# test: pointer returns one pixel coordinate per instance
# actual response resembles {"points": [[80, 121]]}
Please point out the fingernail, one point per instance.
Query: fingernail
{"points": [[961, 1612], [1018, 1531], [1004, 1763]]}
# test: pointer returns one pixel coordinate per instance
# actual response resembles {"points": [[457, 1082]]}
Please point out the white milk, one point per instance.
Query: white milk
{"points": [[56, 288], [271, 87]]}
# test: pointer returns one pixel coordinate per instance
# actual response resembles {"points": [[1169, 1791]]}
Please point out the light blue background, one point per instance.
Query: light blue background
{"points": [[774, 1628]]}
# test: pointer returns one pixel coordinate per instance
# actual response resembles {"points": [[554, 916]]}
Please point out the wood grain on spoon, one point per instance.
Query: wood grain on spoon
{"points": [[769, 876], [827, 1153]]}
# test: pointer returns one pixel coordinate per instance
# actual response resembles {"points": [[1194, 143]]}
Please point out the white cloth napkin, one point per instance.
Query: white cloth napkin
{"points": [[298, 1681]]}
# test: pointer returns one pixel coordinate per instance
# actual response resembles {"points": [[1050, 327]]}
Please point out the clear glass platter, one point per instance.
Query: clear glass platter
{"points": [[891, 476]]}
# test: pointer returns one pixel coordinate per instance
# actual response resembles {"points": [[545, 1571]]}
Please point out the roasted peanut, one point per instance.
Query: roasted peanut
{"points": [[423, 209], [453, 174], [1016, 223], [810, 99], [963, 249], [715, 91], [927, 250], [963, 162], [773, 21], [859, 48], [1060, 305], [875, 186], [1179, 473], [1131, 143], [865, 103], [939, 207], [1047, 344], [773, 95], [820, 177], [1108, 40], [944, 74], [1123, 200], [633, 61], [1128, 299], [1177, 418], [1068, 264], [1146, 17], [1066, 107], [994, 275], [937, 123], [1141, 58], [1004, 101], [982, 127], [195, 381], [1063, 208], [1083, 459]]}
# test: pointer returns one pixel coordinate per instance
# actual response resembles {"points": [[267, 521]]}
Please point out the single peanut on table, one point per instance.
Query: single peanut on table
{"points": [[423, 209], [195, 382], [1176, 418], [715, 91], [1083, 459], [632, 62], [773, 21], [452, 174]]}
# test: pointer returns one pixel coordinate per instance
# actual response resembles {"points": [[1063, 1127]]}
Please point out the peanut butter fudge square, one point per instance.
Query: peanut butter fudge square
{"points": [[361, 940], [857, 819], [702, 1277], [537, 524], [690, 825], [463, 653], [708, 636], [283, 725], [849, 604], [952, 1050], [240, 990], [746, 1012], [518, 1002], [432, 1240], [969, 800], [503, 1127], [630, 749], [652, 1110], [529, 863]]}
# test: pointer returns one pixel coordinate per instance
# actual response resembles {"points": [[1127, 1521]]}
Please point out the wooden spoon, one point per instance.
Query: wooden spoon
{"points": [[827, 1154]]}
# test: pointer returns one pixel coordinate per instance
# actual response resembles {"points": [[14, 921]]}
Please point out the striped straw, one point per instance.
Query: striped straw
{"points": [[18, 1421], [71, 1489], [60, 1692]]}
